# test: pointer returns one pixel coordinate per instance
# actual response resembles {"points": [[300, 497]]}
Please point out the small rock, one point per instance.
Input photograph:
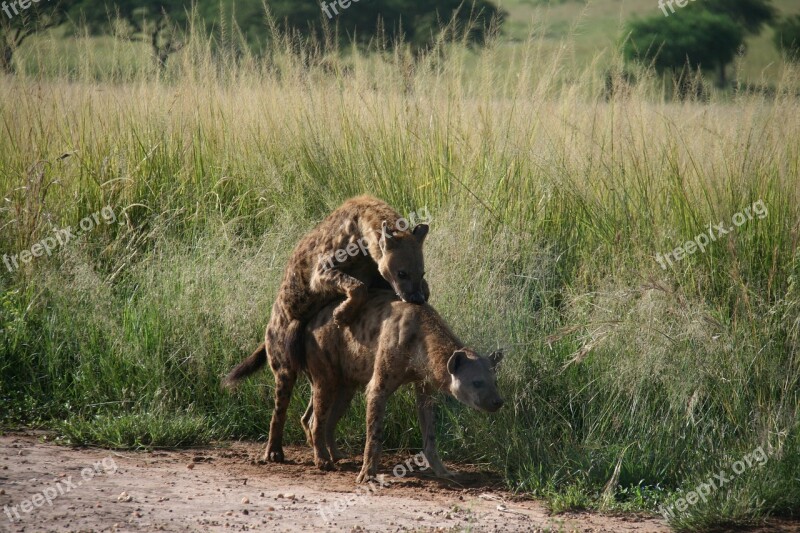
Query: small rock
{"points": [[270, 508], [124, 497], [190, 466], [245, 512], [245, 500], [289, 496], [229, 513]]}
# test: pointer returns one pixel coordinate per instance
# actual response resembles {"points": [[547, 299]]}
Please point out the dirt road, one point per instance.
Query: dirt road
{"points": [[44, 487]]}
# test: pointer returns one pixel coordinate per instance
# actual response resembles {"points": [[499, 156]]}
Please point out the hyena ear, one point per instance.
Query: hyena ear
{"points": [[385, 239], [495, 357], [420, 231], [455, 361]]}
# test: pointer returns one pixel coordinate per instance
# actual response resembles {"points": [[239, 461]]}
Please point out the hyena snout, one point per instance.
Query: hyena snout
{"points": [[473, 380], [415, 297], [495, 404]]}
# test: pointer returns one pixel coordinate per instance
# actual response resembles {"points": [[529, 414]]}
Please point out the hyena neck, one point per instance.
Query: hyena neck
{"points": [[440, 345]]}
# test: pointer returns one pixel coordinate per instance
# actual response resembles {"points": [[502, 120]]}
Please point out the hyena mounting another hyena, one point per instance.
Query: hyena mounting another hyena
{"points": [[312, 279]]}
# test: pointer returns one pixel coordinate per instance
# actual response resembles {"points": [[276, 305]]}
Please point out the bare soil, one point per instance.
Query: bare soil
{"points": [[225, 487]]}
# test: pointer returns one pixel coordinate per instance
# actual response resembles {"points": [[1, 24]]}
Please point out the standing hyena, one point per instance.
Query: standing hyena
{"points": [[393, 343], [363, 243]]}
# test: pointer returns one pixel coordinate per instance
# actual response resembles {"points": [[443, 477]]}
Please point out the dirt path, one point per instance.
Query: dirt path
{"points": [[223, 489]]}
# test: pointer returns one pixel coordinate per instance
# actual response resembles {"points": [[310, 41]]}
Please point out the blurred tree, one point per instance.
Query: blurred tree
{"points": [[416, 22], [697, 39], [787, 38], [749, 14], [17, 23], [161, 23]]}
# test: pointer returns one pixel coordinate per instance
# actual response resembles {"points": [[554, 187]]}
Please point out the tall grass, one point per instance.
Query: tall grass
{"points": [[626, 384]]}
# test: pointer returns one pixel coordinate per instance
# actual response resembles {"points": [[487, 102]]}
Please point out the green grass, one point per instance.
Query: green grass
{"points": [[626, 385]]}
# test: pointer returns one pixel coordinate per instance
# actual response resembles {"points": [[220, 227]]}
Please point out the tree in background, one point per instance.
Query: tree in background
{"points": [[697, 40], [416, 22], [17, 24], [164, 23], [704, 35], [161, 23], [787, 38], [751, 15]]}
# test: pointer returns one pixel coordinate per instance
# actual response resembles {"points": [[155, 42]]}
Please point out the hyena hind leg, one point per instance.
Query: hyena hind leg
{"points": [[324, 279], [343, 399]]}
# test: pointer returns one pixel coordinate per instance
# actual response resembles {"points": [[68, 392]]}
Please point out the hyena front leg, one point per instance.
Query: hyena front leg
{"points": [[427, 424], [378, 392], [331, 280]]}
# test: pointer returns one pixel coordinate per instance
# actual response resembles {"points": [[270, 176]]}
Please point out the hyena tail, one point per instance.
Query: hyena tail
{"points": [[249, 366], [295, 356]]}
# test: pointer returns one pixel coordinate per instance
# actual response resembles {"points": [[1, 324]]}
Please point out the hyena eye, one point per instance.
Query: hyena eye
{"points": [[402, 274], [477, 384]]}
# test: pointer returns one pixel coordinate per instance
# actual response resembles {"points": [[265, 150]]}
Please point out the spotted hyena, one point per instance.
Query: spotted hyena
{"points": [[393, 343], [363, 243]]}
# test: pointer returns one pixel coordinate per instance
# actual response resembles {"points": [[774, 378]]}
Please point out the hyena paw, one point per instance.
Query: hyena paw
{"points": [[338, 455], [274, 456], [324, 464], [446, 474], [365, 477]]}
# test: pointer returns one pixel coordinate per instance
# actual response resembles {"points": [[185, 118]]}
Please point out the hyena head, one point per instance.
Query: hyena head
{"points": [[473, 381], [401, 262]]}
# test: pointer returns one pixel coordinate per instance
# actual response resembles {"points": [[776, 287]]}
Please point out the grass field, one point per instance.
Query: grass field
{"points": [[627, 385]]}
